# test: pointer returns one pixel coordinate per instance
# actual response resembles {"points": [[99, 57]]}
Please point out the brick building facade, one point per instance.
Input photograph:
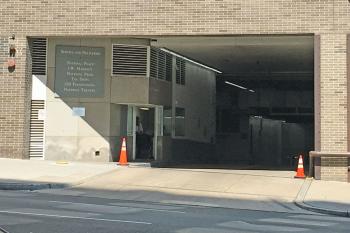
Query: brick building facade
{"points": [[328, 20]]}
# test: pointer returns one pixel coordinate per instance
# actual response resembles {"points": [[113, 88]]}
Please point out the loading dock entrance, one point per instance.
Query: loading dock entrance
{"points": [[265, 95]]}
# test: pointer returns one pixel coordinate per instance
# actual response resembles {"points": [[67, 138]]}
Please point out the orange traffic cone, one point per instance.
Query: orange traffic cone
{"points": [[123, 157], [300, 170]]}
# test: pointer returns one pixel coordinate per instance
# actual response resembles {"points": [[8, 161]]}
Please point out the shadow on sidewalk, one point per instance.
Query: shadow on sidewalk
{"points": [[125, 202]]}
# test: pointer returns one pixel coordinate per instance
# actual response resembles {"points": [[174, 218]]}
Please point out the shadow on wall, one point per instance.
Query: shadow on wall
{"points": [[83, 124]]}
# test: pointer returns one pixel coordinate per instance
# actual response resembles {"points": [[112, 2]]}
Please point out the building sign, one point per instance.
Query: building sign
{"points": [[78, 111], [79, 71]]}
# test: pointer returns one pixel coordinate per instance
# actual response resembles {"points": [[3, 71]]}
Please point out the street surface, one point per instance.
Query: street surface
{"points": [[40, 212]]}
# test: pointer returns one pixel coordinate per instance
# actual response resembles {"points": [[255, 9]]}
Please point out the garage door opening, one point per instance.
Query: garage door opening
{"points": [[265, 96]]}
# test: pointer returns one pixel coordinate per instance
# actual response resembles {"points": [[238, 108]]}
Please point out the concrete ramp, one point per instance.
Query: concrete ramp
{"points": [[258, 190]]}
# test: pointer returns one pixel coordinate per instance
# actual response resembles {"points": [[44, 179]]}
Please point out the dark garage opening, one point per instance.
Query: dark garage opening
{"points": [[265, 96]]}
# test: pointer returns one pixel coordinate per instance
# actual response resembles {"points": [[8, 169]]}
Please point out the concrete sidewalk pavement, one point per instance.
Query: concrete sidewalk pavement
{"points": [[246, 189], [327, 197], [18, 174], [240, 189]]}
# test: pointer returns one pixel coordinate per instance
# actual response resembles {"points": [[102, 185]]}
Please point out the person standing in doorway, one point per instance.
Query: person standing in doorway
{"points": [[139, 128], [139, 132]]}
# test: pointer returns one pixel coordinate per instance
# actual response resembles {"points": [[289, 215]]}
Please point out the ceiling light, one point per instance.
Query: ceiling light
{"points": [[235, 85], [232, 84], [194, 62]]}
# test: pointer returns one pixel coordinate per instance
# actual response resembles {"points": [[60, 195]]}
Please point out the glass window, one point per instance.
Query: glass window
{"points": [[180, 122], [167, 121]]}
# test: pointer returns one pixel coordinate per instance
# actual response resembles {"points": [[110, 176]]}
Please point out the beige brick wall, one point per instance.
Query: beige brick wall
{"points": [[156, 17], [334, 168], [14, 100], [333, 78], [334, 105]]}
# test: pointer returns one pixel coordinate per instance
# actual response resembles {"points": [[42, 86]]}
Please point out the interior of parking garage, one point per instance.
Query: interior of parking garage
{"points": [[264, 96]]}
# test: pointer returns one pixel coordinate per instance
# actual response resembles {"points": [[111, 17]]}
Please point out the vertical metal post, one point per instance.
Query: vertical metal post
{"points": [[317, 104]]}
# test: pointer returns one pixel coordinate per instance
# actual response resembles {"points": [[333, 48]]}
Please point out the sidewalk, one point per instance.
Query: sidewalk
{"points": [[18, 174], [239, 189], [327, 197], [245, 189]]}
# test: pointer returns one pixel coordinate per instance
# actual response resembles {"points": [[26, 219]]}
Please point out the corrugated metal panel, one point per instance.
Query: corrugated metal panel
{"points": [[36, 149], [129, 60], [154, 63], [38, 49], [169, 67], [161, 64], [180, 71]]}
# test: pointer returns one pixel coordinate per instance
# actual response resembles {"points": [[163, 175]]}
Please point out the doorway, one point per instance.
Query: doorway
{"points": [[144, 125]]}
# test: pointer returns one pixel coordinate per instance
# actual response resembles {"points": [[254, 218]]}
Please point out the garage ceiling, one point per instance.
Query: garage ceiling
{"points": [[254, 57]]}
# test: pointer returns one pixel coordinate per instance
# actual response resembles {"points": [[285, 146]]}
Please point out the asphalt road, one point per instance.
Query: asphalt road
{"points": [[35, 212]]}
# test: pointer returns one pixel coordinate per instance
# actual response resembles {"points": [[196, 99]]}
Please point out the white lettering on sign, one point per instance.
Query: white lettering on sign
{"points": [[79, 71]]}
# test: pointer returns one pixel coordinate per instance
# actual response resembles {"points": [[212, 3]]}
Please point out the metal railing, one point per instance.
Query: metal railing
{"points": [[316, 154]]}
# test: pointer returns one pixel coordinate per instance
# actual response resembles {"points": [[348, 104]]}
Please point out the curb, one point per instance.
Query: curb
{"points": [[299, 201], [31, 186], [3, 230], [39, 186]]}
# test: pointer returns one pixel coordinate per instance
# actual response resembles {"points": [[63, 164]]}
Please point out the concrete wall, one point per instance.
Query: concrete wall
{"points": [[124, 87], [234, 147], [118, 129], [266, 141], [72, 137], [297, 139], [273, 97], [160, 92], [180, 151], [275, 142], [78, 138], [130, 90], [197, 96]]}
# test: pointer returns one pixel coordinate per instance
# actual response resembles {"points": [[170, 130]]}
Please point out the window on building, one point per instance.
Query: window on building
{"points": [[180, 122], [180, 71], [167, 125]]}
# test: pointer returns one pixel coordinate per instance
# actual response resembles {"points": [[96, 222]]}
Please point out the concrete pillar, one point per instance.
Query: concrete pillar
{"points": [[15, 99], [332, 123]]}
